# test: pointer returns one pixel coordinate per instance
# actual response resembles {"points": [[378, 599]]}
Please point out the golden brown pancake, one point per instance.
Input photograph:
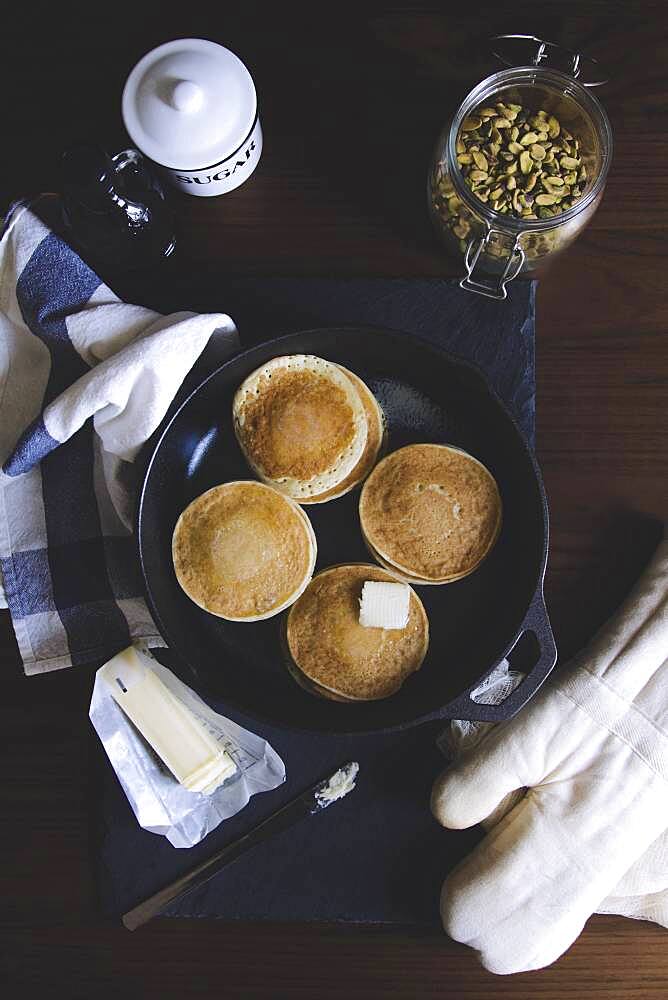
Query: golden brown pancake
{"points": [[301, 424], [431, 511], [337, 654], [303, 681], [242, 551], [374, 443], [415, 581]]}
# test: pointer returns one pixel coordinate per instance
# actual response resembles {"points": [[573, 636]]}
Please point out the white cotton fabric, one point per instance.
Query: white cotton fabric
{"points": [[128, 392], [574, 794], [136, 362]]}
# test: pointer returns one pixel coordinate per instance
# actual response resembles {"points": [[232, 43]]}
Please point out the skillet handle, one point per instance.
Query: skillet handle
{"points": [[536, 624]]}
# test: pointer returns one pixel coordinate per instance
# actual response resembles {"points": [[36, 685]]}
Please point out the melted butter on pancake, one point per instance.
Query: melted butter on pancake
{"points": [[238, 555], [301, 424], [374, 443], [243, 551]]}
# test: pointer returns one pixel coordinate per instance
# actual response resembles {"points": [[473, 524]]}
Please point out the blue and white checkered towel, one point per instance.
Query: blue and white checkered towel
{"points": [[85, 379]]}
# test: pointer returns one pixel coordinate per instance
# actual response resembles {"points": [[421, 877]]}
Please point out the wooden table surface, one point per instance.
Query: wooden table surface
{"points": [[351, 101]]}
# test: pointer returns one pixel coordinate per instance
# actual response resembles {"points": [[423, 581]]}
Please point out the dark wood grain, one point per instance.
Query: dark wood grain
{"points": [[351, 101]]}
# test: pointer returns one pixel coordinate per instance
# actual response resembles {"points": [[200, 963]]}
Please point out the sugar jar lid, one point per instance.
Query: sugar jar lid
{"points": [[189, 104]]}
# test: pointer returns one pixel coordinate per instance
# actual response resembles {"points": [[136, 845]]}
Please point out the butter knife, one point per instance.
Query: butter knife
{"points": [[314, 800]]}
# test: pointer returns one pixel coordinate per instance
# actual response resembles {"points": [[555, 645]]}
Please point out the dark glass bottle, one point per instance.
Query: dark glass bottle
{"points": [[115, 210]]}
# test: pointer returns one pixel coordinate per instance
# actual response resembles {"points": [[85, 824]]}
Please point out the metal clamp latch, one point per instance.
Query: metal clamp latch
{"points": [[489, 288]]}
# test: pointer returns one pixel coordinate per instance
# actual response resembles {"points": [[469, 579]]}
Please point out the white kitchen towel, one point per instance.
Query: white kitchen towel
{"points": [[85, 379], [574, 794]]}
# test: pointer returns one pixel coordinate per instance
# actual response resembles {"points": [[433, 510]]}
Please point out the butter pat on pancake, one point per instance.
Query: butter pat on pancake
{"points": [[384, 605], [431, 511], [301, 424], [243, 552], [335, 653]]}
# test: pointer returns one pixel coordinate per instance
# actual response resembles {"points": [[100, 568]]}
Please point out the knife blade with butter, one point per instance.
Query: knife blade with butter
{"points": [[314, 800]]}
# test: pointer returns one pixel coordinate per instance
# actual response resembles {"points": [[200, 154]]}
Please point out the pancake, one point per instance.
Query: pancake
{"points": [[301, 424], [303, 681], [243, 552], [338, 656], [431, 511], [415, 581], [375, 442]]}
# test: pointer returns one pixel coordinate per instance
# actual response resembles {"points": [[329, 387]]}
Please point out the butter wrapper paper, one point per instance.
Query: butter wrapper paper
{"points": [[159, 802]]}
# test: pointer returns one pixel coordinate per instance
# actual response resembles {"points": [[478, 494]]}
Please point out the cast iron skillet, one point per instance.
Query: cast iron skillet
{"points": [[427, 395]]}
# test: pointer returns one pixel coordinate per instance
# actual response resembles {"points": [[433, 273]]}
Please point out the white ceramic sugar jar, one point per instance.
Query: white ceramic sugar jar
{"points": [[190, 106]]}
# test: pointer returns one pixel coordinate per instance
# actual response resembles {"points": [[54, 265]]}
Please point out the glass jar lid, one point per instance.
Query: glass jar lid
{"points": [[522, 50], [189, 104]]}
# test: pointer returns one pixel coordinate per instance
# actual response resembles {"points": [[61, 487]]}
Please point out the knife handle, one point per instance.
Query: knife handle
{"points": [[201, 873]]}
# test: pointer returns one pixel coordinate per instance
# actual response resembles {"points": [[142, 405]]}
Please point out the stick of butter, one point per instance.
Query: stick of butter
{"points": [[384, 605], [193, 756]]}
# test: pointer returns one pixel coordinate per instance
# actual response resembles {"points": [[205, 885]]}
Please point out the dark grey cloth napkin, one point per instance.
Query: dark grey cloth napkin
{"points": [[377, 856]]}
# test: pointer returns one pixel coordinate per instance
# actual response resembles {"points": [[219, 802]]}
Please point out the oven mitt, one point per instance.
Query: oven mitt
{"points": [[576, 790]]}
